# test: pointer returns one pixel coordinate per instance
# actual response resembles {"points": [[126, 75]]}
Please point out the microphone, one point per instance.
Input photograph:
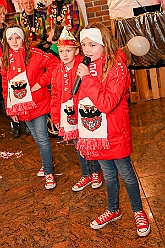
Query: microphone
{"points": [[86, 60], [143, 7]]}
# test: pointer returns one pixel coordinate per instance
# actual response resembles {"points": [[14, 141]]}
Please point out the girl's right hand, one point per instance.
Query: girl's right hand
{"points": [[82, 70], [15, 118]]}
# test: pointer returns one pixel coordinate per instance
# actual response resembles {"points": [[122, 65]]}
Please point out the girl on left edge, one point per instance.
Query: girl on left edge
{"points": [[3, 7], [25, 91]]}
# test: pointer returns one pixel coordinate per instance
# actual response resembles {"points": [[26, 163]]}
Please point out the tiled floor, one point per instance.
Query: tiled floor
{"points": [[31, 216]]}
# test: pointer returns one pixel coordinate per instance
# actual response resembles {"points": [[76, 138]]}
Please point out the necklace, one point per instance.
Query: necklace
{"points": [[32, 26], [31, 23]]}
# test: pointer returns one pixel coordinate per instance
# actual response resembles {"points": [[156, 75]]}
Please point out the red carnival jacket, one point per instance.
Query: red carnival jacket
{"points": [[60, 92], [35, 74], [111, 98]]}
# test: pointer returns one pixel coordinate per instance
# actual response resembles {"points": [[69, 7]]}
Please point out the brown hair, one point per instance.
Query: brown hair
{"points": [[110, 45], [5, 57]]}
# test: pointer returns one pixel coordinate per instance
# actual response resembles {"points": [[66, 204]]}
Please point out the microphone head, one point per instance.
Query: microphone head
{"points": [[86, 60]]}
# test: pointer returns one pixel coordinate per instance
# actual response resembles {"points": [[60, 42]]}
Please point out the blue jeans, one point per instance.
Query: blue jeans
{"points": [[124, 167], [85, 164], [38, 128]]}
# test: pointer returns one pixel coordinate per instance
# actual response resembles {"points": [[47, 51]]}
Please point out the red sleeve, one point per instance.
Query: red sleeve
{"points": [[51, 64], [114, 88], [48, 62], [56, 91], [4, 85]]}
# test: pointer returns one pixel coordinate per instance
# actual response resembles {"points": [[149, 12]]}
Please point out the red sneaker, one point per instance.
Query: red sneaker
{"points": [[105, 218], [50, 181], [82, 183], [41, 172], [96, 180], [142, 224]]}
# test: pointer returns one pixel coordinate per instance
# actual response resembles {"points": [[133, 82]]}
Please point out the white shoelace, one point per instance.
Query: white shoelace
{"points": [[82, 179], [49, 179], [105, 215], [141, 220], [95, 178]]}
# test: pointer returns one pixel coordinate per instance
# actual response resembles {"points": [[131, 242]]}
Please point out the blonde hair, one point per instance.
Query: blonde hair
{"points": [[2, 10], [110, 46], [5, 57]]}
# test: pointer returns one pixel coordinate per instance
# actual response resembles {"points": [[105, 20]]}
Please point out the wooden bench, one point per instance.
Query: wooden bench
{"points": [[147, 84]]}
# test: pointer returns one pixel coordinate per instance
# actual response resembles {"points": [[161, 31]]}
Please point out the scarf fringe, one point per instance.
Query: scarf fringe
{"points": [[91, 147], [21, 108], [71, 135], [94, 144], [61, 131], [93, 154]]}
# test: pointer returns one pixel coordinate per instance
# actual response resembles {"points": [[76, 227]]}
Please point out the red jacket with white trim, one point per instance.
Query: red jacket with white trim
{"points": [[58, 88], [39, 61], [111, 98]]}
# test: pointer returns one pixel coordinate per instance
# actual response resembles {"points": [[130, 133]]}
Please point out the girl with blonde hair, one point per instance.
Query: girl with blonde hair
{"points": [[103, 121]]}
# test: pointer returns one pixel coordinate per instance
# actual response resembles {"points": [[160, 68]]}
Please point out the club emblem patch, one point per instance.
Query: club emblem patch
{"points": [[71, 117], [91, 117], [19, 89]]}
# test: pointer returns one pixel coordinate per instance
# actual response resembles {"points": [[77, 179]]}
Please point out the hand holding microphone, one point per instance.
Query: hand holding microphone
{"points": [[86, 61]]}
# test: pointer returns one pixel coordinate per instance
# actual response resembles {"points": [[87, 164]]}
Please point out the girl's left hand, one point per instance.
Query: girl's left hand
{"points": [[35, 87], [82, 70]]}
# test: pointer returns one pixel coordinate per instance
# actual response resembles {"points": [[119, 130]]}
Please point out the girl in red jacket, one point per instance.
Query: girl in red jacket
{"points": [[25, 91], [63, 109], [103, 121]]}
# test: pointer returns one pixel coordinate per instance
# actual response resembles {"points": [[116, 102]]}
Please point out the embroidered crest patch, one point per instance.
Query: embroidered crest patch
{"points": [[71, 118], [19, 89], [91, 117]]}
